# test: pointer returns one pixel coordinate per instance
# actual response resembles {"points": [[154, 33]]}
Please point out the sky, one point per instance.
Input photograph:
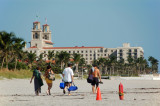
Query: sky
{"points": [[106, 23]]}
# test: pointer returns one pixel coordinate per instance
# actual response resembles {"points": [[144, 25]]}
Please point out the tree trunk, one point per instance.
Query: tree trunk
{"points": [[15, 64], [6, 63], [76, 67], [2, 63]]}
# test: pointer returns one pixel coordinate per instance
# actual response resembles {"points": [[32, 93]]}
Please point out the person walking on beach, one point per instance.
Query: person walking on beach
{"points": [[38, 82], [68, 77], [96, 74], [48, 81]]}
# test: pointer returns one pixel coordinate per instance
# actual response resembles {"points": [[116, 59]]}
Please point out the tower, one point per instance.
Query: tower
{"points": [[41, 38]]}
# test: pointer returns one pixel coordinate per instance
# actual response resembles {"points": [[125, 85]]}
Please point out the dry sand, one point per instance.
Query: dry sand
{"points": [[19, 92]]}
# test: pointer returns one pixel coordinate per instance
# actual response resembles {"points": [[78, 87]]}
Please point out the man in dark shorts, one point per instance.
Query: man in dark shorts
{"points": [[96, 74]]}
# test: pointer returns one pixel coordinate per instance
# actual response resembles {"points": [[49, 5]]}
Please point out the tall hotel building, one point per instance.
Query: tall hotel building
{"points": [[41, 43]]}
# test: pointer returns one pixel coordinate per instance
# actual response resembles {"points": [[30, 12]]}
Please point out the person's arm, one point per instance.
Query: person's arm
{"points": [[99, 76], [31, 79], [72, 75], [52, 72], [72, 78]]}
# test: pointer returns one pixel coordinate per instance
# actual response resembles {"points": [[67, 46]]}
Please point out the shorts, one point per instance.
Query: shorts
{"points": [[95, 81], [67, 83], [48, 81]]}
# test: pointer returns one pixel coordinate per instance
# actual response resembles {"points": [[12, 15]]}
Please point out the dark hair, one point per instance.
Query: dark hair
{"points": [[95, 65], [38, 68], [48, 67], [69, 64]]}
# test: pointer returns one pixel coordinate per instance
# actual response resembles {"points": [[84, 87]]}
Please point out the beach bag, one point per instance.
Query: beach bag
{"points": [[90, 78], [72, 88], [62, 85], [51, 77]]}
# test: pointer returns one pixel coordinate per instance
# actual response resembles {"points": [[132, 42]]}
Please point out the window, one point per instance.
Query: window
{"points": [[36, 36], [135, 50], [81, 51], [90, 54], [86, 51], [90, 51], [120, 50], [90, 58], [135, 54], [98, 54], [77, 51], [69, 51], [36, 44], [36, 26], [45, 29], [111, 50], [105, 55], [101, 50], [86, 58], [120, 54], [45, 37], [86, 54], [105, 50], [130, 50], [73, 51]]}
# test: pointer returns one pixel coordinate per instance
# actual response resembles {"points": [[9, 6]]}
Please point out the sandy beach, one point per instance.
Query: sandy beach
{"points": [[19, 92]]}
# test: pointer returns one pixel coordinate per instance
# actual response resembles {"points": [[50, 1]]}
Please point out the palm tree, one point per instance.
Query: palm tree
{"points": [[106, 65], [154, 64], [120, 66], [101, 62], [6, 45], [113, 61], [31, 58], [63, 58], [17, 48], [76, 58], [50, 56], [41, 63]]}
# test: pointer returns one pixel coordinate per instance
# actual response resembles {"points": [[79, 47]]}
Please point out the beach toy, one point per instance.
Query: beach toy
{"points": [[62, 85], [72, 88], [121, 94], [98, 94]]}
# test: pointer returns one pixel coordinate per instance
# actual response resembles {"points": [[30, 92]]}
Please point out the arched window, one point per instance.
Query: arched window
{"points": [[45, 29], [36, 26], [36, 36]]}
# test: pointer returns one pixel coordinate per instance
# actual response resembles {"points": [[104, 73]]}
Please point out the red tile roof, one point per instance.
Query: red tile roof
{"points": [[36, 22], [71, 47], [45, 25], [49, 42], [33, 47]]}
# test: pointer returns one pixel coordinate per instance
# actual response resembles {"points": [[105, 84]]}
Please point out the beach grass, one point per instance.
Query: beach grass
{"points": [[19, 74]]}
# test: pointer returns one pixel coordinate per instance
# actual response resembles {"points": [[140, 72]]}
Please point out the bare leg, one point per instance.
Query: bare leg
{"points": [[96, 88], [93, 89], [69, 91], [49, 87], [64, 90]]}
